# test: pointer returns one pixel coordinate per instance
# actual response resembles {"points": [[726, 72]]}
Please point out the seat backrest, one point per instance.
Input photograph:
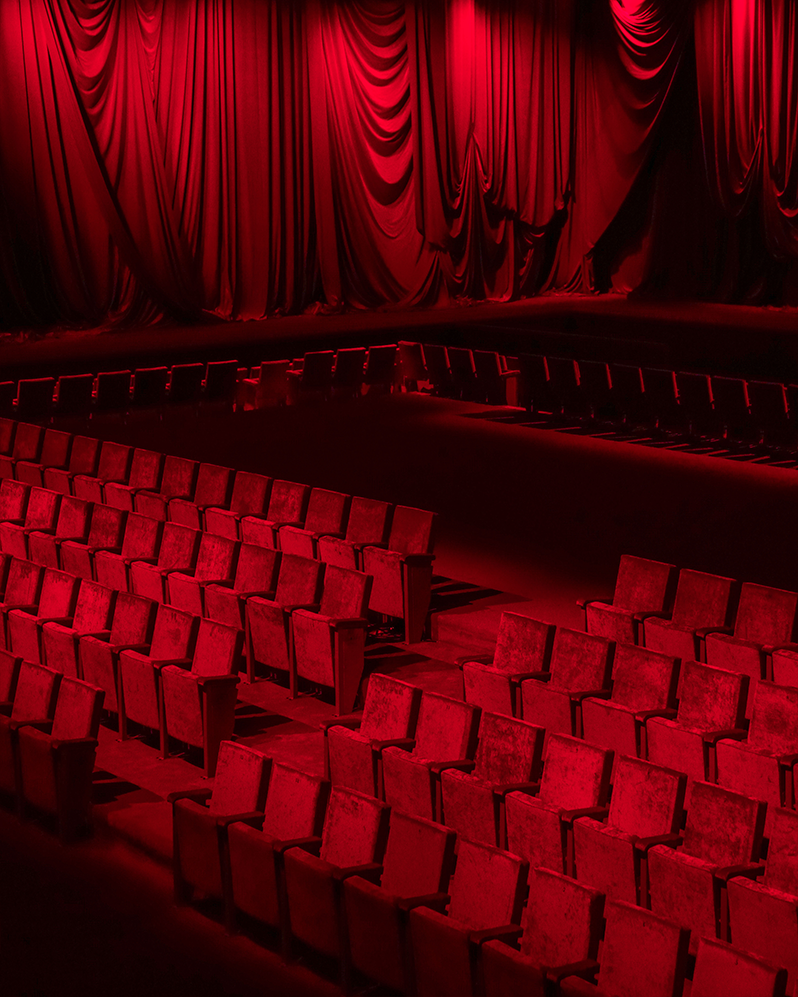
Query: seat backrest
{"points": [[55, 448], [114, 462], [774, 719], [178, 546], [722, 969], [42, 511], [411, 358], [523, 644], [149, 385], [107, 526], [73, 517], [241, 780], [295, 803], [142, 536], [218, 649], [58, 594], [642, 953], [349, 365], [216, 557], [580, 661], [113, 389], [317, 369], [178, 477], [145, 469], [723, 828], [411, 530], [390, 709], [14, 497], [174, 634], [220, 379], [214, 484], [380, 364], [419, 856], [781, 869], [77, 710], [299, 580], [643, 585], [702, 600], [509, 751], [23, 583], [646, 799], [355, 829], [9, 673], [8, 429], [28, 441], [256, 569], [37, 687], [488, 886], [766, 615], [287, 501], [93, 607], [133, 621], [368, 521], [446, 728], [643, 679], [185, 383], [346, 593], [84, 456], [326, 511], [563, 919], [711, 698], [75, 394], [575, 774], [250, 493]]}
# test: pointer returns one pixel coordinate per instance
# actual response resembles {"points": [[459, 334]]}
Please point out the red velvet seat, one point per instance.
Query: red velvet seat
{"points": [[287, 503], [83, 459], [41, 514], [112, 393], [353, 747], [23, 585], [403, 571], [766, 618], [114, 465], [131, 627], [177, 552], [446, 734], [380, 373], [34, 702], [56, 760], [250, 497], [326, 516], [352, 842], [312, 378], [56, 601], [106, 532], [647, 803], [722, 837], [367, 524], [213, 490], [702, 601], [712, 703], [642, 586], [723, 969], [177, 481], [328, 644], [200, 818], [60, 641], [215, 564], [523, 646], [575, 783], [579, 667], [270, 387], [268, 620], [55, 452], [141, 542], [348, 374], [508, 756], [27, 446], [486, 892], [643, 683], [14, 497], [146, 467], [294, 812], [72, 524], [561, 925], [256, 573]]}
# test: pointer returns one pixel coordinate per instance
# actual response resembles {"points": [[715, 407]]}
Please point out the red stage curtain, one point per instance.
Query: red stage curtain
{"points": [[249, 157]]}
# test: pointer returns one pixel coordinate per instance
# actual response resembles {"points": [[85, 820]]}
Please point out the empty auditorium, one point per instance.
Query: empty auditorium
{"points": [[398, 498]]}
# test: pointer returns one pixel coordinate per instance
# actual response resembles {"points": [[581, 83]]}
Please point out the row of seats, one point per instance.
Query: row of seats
{"points": [[392, 543]]}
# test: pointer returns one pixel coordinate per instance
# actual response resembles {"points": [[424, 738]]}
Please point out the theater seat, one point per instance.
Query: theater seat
{"points": [[256, 574], [23, 586], [56, 602], [508, 757], [114, 465], [575, 783], [142, 542], [213, 490], [61, 640], [368, 523], [722, 837], [72, 524], [646, 807], [702, 601], [523, 647], [446, 734], [56, 447], [106, 532], [287, 503], [326, 516], [177, 552], [56, 760], [250, 497], [721, 969], [177, 481], [353, 746], [642, 586], [83, 459], [34, 702], [27, 446], [41, 515], [145, 475], [486, 892], [14, 497], [215, 564]]}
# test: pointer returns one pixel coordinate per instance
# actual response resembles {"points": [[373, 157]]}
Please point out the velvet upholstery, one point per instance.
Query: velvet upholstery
{"points": [[56, 600], [145, 474], [722, 968], [55, 451], [216, 562], [702, 600], [106, 532], [14, 497], [368, 523], [213, 490], [113, 465], [23, 586], [83, 459], [177, 481], [287, 504], [72, 524], [250, 497], [27, 446], [641, 586], [92, 615], [34, 701], [523, 645], [326, 515], [256, 573], [141, 542], [41, 513], [177, 552]]}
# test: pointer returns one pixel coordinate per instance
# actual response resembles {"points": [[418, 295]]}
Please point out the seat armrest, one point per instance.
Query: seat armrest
{"points": [[577, 697], [418, 560], [713, 736], [597, 813], [254, 820], [210, 680], [474, 659], [246, 595], [584, 603], [109, 550], [160, 663], [63, 540], [43, 724], [32, 608], [437, 901], [648, 714], [643, 844], [538, 676], [408, 743], [65, 621], [351, 723], [141, 648], [703, 631], [211, 581], [99, 634], [312, 607], [530, 788], [586, 969], [725, 873], [56, 744], [369, 870], [786, 647], [142, 560], [649, 614], [197, 795], [355, 623], [310, 844], [505, 933], [464, 764], [251, 817], [790, 761]]}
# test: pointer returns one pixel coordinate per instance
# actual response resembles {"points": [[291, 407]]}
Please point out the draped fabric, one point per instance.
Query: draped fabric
{"points": [[216, 159]]}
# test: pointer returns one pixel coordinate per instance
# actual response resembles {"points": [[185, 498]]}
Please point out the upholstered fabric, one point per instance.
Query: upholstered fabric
{"points": [[720, 968], [41, 514], [256, 573], [411, 530], [249, 498], [14, 497], [241, 781], [145, 473], [82, 460], [106, 531], [177, 481], [56, 600], [114, 465], [54, 453], [702, 600], [132, 624], [267, 634], [72, 524], [178, 552], [92, 614], [215, 561], [142, 540], [335, 550]]}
